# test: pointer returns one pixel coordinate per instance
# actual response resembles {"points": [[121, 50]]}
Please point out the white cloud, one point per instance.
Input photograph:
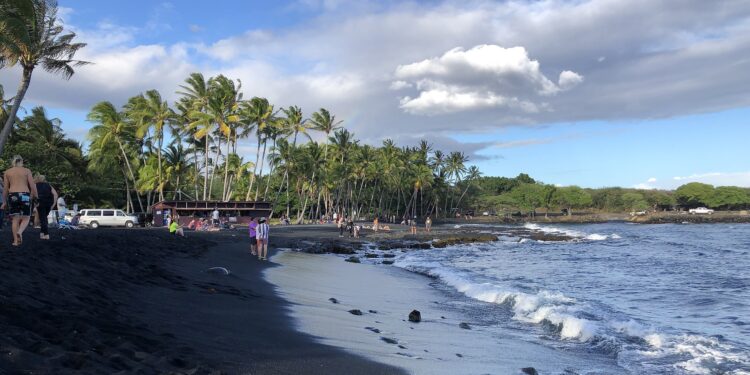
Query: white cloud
{"points": [[398, 85], [484, 76], [741, 179]]}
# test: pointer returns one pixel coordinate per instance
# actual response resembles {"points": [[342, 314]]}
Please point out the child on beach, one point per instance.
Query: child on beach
{"points": [[253, 239], [262, 237], [175, 228]]}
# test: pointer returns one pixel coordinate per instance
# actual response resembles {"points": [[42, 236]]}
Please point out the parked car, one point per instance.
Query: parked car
{"points": [[701, 210], [97, 217]]}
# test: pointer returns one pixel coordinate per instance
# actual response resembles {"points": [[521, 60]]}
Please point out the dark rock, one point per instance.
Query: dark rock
{"points": [[340, 249], [373, 329], [353, 259], [465, 325], [420, 245], [389, 255], [529, 371], [387, 262], [415, 316], [389, 340], [459, 355], [355, 312], [372, 311], [402, 347], [463, 239], [333, 300], [442, 317], [370, 255]]}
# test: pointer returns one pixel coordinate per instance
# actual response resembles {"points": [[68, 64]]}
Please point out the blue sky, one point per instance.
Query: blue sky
{"points": [[594, 93]]}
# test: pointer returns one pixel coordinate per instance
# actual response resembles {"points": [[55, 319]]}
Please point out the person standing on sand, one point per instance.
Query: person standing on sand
{"points": [[375, 224], [413, 225], [215, 217], [262, 235], [18, 191], [2, 202], [253, 235], [47, 199], [428, 224]]}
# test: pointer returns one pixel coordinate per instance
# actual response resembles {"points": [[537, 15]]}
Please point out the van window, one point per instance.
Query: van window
{"points": [[108, 213], [120, 213], [93, 213]]}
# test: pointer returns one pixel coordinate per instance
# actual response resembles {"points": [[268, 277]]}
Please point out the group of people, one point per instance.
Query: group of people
{"points": [[22, 194]]}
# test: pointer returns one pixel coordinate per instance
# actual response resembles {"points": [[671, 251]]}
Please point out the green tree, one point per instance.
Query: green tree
{"points": [[528, 197], [694, 194], [729, 197], [572, 197], [634, 201], [30, 35]]}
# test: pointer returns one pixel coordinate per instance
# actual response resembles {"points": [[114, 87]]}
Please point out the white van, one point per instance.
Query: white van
{"points": [[104, 217]]}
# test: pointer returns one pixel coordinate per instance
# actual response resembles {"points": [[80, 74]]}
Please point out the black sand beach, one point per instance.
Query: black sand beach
{"points": [[141, 301]]}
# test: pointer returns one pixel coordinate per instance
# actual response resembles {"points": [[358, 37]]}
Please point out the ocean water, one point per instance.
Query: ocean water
{"points": [[655, 299]]}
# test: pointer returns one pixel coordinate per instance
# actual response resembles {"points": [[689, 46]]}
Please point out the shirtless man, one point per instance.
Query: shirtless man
{"points": [[18, 191]]}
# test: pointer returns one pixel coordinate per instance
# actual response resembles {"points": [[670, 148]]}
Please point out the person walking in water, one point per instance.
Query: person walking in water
{"points": [[18, 191], [262, 235], [47, 199]]}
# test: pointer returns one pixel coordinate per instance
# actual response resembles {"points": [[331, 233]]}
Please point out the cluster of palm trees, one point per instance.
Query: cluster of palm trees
{"points": [[189, 150]]}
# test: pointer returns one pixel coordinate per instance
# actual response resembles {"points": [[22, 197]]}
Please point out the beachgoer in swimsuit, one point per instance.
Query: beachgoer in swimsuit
{"points": [[19, 190], [413, 225], [428, 224]]}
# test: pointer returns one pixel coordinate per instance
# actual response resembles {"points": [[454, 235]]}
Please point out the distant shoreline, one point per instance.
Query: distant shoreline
{"points": [[653, 218]]}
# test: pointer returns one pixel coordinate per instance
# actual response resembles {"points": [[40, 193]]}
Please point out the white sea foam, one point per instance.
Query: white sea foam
{"points": [[699, 355], [542, 307], [570, 232]]}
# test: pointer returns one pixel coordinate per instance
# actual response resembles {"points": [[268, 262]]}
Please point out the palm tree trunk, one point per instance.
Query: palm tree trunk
{"points": [[226, 173], [205, 173], [255, 168], [263, 158], [25, 81], [130, 170], [213, 170], [158, 154]]}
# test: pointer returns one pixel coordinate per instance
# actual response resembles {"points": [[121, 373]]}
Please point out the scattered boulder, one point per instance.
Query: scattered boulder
{"points": [[353, 259], [389, 255], [402, 347], [420, 245], [333, 300], [529, 371], [370, 255], [390, 340], [340, 249], [355, 312], [462, 239], [387, 262], [415, 316], [465, 325], [373, 329], [372, 311], [459, 355]]}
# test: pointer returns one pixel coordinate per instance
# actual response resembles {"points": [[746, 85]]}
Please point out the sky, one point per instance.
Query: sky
{"points": [[633, 93]]}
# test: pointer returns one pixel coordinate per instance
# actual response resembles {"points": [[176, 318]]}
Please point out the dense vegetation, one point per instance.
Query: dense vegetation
{"points": [[151, 149]]}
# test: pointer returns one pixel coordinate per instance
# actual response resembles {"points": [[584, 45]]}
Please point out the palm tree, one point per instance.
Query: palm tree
{"points": [[325, 122], [31, 35], [151, 112], [112, 128], [41, 131], [471, 175], [260, 112], [177, 164], [195, 94]]}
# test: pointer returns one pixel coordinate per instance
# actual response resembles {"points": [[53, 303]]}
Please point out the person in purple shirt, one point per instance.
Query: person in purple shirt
{"points": [[253, 240]]}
